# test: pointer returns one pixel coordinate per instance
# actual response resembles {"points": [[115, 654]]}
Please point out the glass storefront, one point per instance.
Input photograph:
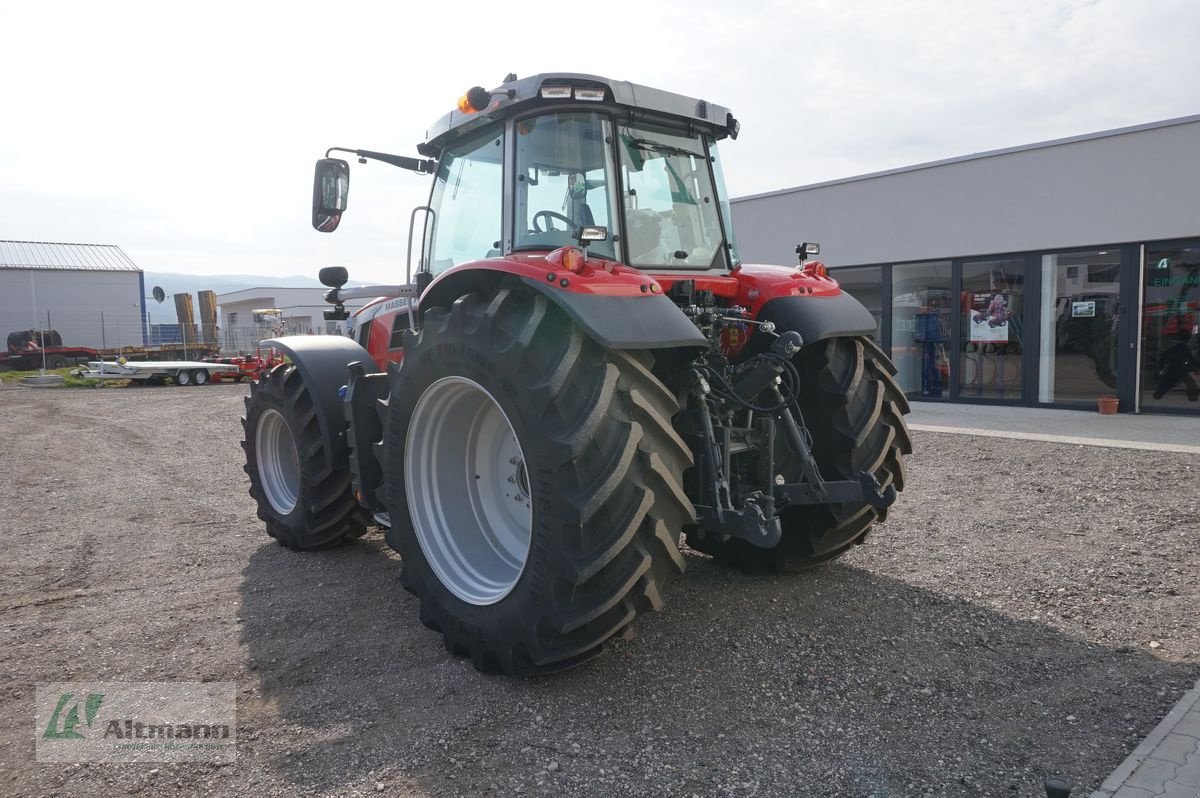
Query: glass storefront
{"points": [[1170, 346], [960, 329], [921, 305], [1080, 315], [991, 329]]}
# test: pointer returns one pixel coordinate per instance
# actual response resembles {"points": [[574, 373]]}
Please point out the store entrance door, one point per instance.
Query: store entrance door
{"points": [[1170, 362]]}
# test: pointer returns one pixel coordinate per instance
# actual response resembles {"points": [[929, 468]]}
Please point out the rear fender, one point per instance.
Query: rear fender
{"points": [[616, 319], [323, 361], [819, 317]]}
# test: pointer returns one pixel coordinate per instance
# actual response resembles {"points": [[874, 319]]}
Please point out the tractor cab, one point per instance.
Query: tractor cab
{"points": [[530, 165]]}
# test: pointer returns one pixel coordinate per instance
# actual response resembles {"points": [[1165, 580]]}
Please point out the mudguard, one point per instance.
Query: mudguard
{"points": [[323, 362], [815, 318], [620, 322]]}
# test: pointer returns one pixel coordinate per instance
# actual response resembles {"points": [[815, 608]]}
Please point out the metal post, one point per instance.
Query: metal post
{"points": [[44, 342], [103, 337]]}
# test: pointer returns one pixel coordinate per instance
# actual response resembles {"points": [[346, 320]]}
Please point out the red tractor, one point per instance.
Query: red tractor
{"points": [[580, 371]]}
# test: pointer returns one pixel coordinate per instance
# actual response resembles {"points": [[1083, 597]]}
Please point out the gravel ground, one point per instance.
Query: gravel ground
{"points": [[997, 630]]}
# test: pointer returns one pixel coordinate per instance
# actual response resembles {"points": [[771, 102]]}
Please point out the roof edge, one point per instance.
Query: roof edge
{"points": [[1120, 131]]}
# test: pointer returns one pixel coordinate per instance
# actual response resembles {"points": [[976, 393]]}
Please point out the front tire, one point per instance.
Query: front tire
{"points": [[304, 498], [854, 410], [540, 587]]}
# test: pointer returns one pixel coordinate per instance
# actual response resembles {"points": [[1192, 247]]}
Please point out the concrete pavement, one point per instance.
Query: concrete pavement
{"points": [[1123, 431]]}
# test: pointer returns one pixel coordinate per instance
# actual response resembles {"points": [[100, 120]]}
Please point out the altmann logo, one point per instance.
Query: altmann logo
{"points": [[136, 722], [133, 730], [67, 728]]}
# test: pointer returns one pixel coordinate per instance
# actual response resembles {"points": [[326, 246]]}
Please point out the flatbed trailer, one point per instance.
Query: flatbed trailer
{"points": [[54, 357], [183, 372]]}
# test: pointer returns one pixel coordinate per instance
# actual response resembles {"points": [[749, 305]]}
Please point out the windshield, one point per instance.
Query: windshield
{"points": [[672, 214], [564, 170]]}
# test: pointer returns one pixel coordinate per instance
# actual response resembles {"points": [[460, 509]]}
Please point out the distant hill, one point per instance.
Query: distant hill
{"points": [[221, 283]]}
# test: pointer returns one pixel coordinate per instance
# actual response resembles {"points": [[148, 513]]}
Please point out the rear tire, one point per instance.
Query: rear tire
{"points": [[56, 362], [200, 377], [303, 497], [854, 410], [601, 465], [183, 378]]}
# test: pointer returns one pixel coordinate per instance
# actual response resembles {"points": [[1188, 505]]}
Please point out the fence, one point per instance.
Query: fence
{"points": [[184, 340]]}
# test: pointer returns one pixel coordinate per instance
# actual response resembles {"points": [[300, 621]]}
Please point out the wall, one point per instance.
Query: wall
{"points": [[302, 311], [75, 299], [1134, 186]]}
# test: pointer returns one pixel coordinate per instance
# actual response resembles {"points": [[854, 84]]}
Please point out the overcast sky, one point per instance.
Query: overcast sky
{"points": [[186, 134]]}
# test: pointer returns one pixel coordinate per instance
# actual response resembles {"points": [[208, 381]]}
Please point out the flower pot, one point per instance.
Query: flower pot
{"points": [[1108, 405]]}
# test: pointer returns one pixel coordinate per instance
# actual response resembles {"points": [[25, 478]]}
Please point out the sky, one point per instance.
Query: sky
{"points": [[186, 132]]}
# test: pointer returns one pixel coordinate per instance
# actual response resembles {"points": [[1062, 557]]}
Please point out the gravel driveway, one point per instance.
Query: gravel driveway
{"points": [[997, 630]]}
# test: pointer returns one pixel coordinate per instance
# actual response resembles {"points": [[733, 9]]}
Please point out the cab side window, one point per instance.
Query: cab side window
{"points": [[467, 198]]}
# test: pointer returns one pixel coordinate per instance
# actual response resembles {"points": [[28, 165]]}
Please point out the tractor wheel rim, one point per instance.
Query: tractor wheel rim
{"points": [[468, 490], [278, 462]]}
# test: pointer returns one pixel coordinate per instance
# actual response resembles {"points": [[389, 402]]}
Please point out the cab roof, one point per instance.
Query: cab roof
{"points": [[514, 95]]}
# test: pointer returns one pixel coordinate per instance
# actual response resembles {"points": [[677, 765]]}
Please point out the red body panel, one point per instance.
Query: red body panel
{"points": [[597, 276], [750, 286]]}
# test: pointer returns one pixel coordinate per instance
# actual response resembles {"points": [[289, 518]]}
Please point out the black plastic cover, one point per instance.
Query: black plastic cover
{"points": [[649, 322], [815, 318]]}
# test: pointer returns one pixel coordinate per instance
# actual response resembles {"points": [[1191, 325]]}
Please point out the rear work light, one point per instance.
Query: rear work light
{"points": [[592, 95]]}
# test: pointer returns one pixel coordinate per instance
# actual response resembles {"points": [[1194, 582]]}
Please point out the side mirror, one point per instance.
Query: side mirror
{"points": [[331, 185], [333, 276]]}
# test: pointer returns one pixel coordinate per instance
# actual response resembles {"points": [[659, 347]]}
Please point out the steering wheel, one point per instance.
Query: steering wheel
{"points": [[570, 223]]}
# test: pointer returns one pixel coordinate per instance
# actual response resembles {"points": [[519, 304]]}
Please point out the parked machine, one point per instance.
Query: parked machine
{"points": [[580, 370]]}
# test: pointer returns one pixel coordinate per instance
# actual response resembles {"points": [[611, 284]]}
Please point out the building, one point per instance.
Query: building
{"points": [[1044, 275], [245, 317], [92, 294]]}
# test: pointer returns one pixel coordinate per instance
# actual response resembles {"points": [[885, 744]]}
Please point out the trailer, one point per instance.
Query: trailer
{"points": [[183, 372], [27, 350], [53, 357]]}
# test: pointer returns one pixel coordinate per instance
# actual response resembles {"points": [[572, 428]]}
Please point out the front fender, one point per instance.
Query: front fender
{"points": [[323, 361]]}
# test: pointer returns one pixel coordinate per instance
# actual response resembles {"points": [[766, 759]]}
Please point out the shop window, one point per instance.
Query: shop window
{"points": [[1170, 372], [1079, 313], [921, 307], [991, 328]]}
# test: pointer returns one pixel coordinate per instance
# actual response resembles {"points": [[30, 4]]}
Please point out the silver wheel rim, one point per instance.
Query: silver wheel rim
{"points": [[200, 377], [468, 490], [183, 378], [278, 462]]}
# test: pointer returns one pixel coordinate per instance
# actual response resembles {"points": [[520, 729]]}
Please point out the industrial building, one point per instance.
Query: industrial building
{"points": [[251, 314], [92, 294], [1050, 274]]}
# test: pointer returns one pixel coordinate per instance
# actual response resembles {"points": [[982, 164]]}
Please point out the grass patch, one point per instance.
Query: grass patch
{"points": [[69, 380]]}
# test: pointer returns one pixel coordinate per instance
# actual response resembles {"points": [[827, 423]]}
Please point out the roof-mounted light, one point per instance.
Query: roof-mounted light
{"points": [[475, 100], [590, 95], [556, 92]]}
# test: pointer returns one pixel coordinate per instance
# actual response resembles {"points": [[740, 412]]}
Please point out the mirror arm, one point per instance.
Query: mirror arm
{"points": [[417, 165], [336, 295]]}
